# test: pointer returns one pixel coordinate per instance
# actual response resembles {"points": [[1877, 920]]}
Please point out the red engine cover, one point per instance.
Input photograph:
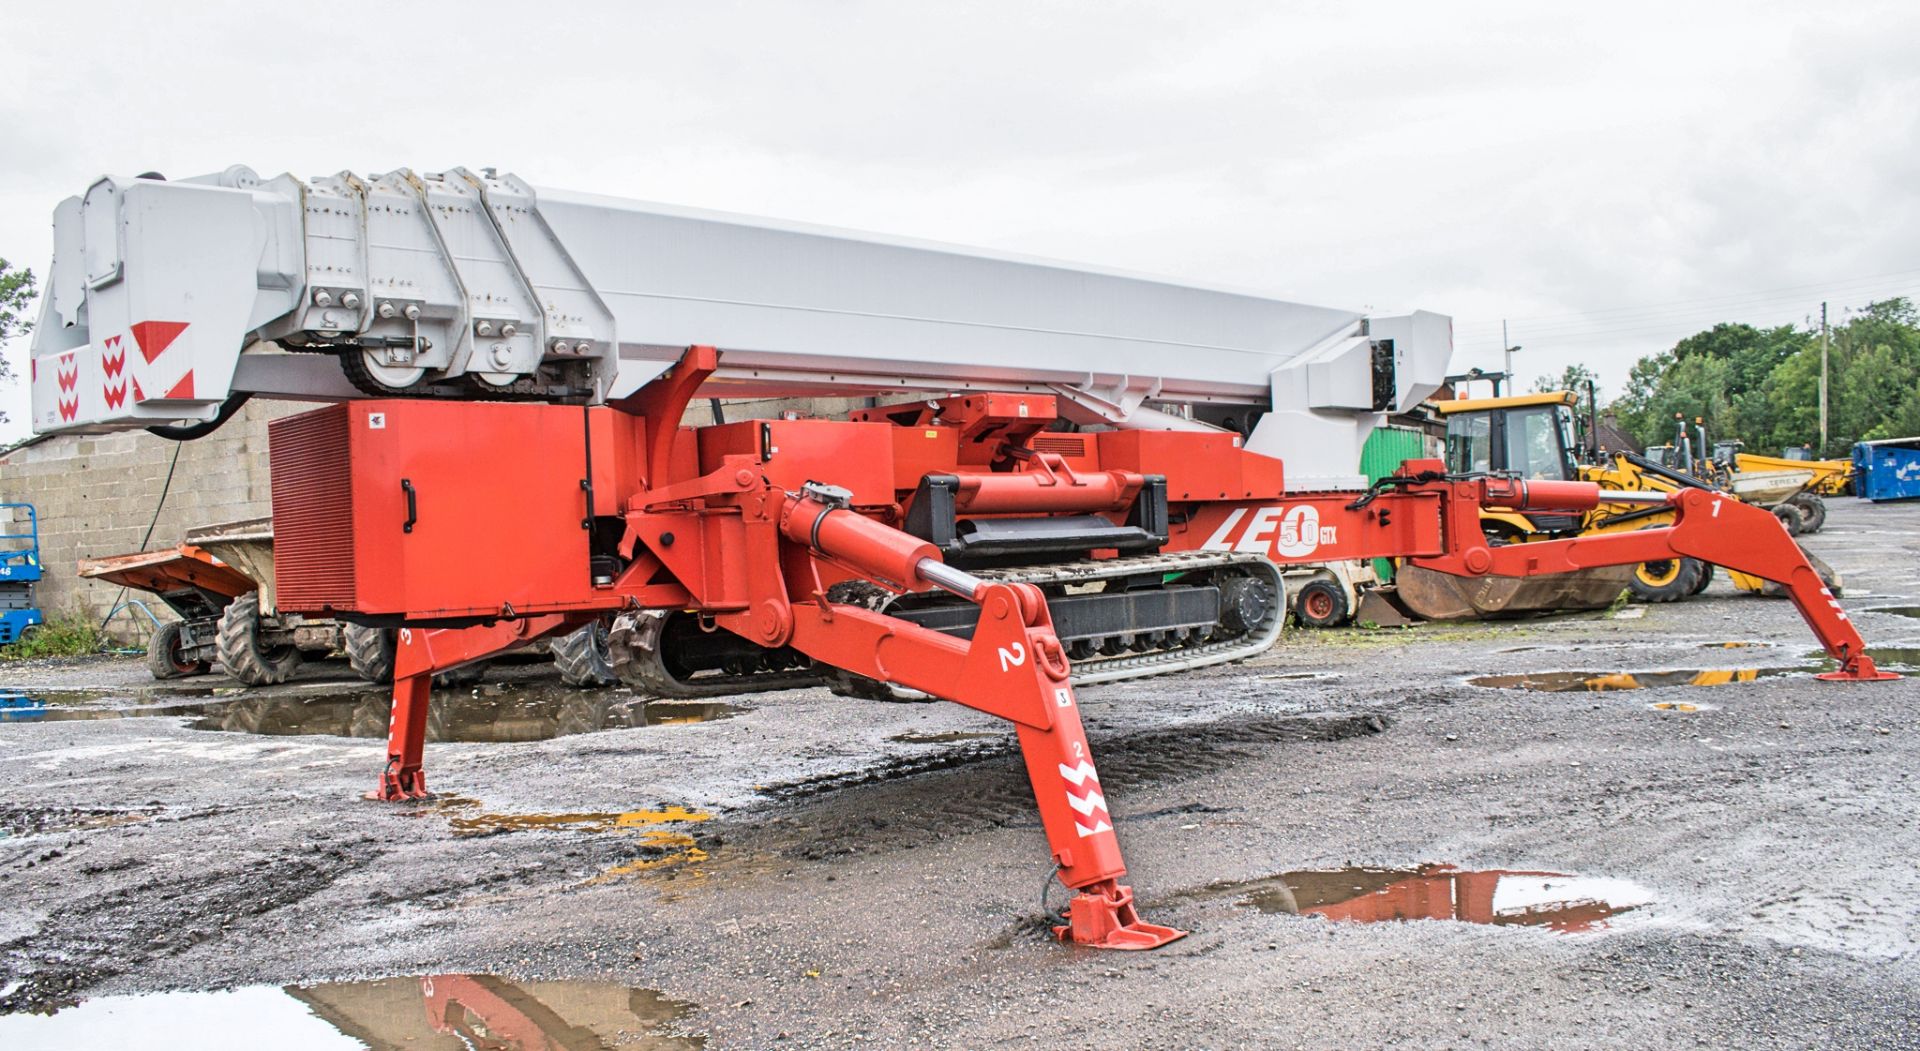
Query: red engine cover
{"points": [[495, 513]]}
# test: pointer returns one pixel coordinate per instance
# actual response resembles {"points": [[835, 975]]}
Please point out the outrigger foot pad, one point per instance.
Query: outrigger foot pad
{"points": [[1102, 916], [400, 787], [1860, 669]]}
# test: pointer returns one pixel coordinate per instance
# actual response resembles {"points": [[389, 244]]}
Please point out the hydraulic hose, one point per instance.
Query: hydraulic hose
{"points": [[188, 432]]}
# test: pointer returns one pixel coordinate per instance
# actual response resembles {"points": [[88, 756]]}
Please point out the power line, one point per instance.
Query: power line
{"points": [[1816, 287], [1759, 314], [1722, 313]]}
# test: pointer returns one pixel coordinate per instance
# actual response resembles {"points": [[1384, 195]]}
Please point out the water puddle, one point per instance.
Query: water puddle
{"points": [[1739, 644], [1888, 658], [440, 1012], [1606, 682], [1557, 901], [918, 737], [1898, 611], [493, 717]]}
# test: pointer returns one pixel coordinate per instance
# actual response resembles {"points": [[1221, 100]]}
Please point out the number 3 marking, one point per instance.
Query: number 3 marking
{"points": [[1012, 656]]}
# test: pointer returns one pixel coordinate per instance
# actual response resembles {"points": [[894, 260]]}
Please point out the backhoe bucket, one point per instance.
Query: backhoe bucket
{"points": [[1442, 596]]}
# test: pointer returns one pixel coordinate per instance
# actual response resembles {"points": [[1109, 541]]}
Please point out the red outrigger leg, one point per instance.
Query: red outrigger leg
{"points": [[1013, 667], [1709, 526], [419, 653]]}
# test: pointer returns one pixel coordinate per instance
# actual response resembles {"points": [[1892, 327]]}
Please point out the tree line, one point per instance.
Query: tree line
{"points": [[1762, 385]]}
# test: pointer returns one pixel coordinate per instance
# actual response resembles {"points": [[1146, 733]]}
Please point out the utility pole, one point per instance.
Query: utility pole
{"points": [[1823, 380], [1506, 347]]}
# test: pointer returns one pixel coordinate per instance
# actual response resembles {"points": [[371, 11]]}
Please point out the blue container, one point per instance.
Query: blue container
{"points": [[1887, 470]]}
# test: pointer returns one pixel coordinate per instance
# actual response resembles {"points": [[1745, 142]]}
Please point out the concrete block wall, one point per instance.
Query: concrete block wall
{"points": [[96, 495]]}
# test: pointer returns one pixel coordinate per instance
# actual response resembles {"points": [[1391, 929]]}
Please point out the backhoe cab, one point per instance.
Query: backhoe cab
{"points": [[1526, 436]]}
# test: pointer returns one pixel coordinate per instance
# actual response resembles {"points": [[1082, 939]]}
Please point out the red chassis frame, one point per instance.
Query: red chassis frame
{"points": [[723, 520]]}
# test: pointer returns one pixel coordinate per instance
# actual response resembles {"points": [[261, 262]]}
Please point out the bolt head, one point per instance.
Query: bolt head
{"points": [[561, 346], [485, 328], [501, 354], [351, 301], [322, 297], [387, 310], [412, 312], [509, 330]]}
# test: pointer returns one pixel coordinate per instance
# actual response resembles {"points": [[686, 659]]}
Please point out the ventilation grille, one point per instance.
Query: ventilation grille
{"points": [[1060, 444], [312, 510]]}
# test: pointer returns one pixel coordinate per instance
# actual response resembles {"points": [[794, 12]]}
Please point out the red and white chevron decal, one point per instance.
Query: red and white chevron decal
{"points": [[1087, 802], [66, 372], [113, 380]]}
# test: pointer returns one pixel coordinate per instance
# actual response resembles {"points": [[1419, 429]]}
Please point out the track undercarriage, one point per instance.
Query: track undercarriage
{"points": [[1120, 618]]}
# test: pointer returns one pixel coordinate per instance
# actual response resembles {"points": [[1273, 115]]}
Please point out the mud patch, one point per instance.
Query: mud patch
{"points": [[1606, 682], [950, 737], [494, 715], [1557, 901], [40, 821], [912, 800], [441, 1012]]}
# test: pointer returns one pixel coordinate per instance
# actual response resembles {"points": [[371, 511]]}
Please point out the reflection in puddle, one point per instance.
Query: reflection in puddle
{"points": [[1738, 645], [658, 847], [532, 714], [597, 822], [1601, 682], [1500, 897], [1682, 706], [917, 737], [441, 1012]]}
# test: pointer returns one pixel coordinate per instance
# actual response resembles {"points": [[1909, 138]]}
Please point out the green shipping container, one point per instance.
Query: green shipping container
{"points": [[1386, 449]]}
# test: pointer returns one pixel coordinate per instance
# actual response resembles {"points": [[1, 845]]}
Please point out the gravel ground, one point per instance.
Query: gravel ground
{"points": [[799, 878]]}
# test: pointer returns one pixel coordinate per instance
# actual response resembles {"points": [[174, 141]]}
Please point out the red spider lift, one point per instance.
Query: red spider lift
{"points": [[756, 546]]}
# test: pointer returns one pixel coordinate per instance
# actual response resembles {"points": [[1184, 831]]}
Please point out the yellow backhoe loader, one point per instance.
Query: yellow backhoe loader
{"points": [[1533, 436]]}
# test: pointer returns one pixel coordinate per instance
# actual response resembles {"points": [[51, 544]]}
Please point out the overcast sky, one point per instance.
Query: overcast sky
{"points": [[1610, 176]]}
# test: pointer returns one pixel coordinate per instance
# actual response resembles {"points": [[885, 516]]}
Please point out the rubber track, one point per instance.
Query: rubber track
{"points": [[1139, 666]]}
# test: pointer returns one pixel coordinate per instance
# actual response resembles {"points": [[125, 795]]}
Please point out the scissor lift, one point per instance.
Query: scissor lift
{"points": [[19, 571]]}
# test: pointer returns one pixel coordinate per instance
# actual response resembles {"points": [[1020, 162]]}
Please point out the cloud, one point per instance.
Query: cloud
{"points": [[1522, 161]]}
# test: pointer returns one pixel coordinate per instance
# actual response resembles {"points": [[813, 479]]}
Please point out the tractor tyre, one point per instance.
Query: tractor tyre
{"points": [[370, 652], [1813, 509], [1321, 604], [1790, 516], [582, 657], [461, 677], [1705, 578], [1664, 580], [163, 654], [241, 653]]}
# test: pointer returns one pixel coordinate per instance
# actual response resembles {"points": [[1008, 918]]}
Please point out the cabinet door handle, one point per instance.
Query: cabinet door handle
{"points": [[413, 507]]}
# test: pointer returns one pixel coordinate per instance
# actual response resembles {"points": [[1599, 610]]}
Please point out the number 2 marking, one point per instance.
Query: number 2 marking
{"points": [[1013, 656]]}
